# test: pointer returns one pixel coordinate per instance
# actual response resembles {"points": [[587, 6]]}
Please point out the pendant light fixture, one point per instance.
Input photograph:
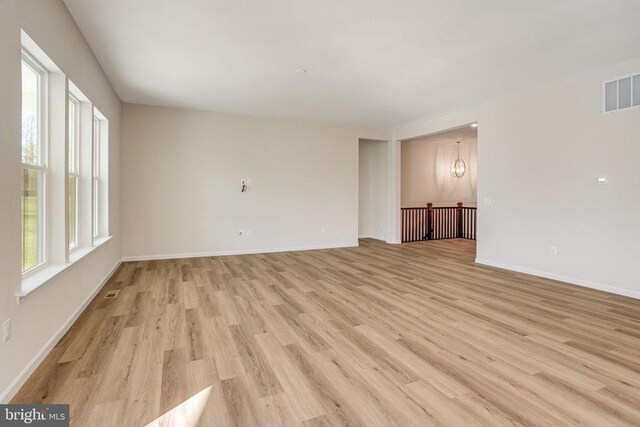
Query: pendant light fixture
{"points": [[459, 167]]}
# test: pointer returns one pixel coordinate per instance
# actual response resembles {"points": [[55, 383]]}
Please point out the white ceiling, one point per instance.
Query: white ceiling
{"points": [[379, 62]]}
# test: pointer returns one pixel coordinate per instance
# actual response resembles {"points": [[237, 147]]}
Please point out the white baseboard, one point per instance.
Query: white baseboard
{"points": [[13, 388], [561, 278], [237, 252]]}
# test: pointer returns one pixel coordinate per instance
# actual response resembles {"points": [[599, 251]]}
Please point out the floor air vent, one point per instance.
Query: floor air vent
{"points": [[112, 294]]}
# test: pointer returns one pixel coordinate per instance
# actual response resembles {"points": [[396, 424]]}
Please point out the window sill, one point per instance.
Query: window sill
{"points": [[33, 282]]}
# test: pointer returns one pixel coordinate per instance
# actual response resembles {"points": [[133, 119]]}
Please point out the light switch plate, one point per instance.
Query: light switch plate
{"points": [[487, 201]]}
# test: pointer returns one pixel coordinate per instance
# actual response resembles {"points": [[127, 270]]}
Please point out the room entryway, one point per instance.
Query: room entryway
{"points": [[373, 193], [439, 186]]}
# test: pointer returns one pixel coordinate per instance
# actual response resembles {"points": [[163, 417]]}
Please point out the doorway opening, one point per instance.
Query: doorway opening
{"points": [[373, 199], [439, 185]]}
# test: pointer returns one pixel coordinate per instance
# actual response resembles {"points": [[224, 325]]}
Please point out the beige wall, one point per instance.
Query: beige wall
{"points": [[372, 190], [182, 172], [539, 154], [427, 176], [38, 320]]}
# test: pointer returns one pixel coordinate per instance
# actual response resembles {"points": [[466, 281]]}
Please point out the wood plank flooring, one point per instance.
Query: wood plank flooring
{"points": [[412, 334]]}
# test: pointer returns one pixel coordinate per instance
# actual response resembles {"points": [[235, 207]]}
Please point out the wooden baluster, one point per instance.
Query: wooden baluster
{"points": [[444, 223], [408, 231], [411, 226], [404, 225], [452, 224], [429, 221], [464, 223], [459, 220], [445, 230], [475, 216], [447, 223], [467, 227]]}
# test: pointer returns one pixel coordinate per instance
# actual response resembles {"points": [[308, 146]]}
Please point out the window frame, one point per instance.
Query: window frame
{"points": [[73, 166], [95, 178], [41, 165], [45, 173]]}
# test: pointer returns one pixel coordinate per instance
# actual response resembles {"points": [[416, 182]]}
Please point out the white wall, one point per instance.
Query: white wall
{"points": [[539, 154], [182, 172], [37, 320], [426, 173], [372, 185]]}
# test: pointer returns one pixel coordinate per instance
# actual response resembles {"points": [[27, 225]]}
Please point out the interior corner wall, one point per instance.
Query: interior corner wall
{"points": [[372, 188], [182, 171], [39, 320], [539, 154], [426, 173]]}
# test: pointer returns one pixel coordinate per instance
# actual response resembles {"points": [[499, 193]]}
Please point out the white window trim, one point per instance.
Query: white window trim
{"points": [[99, 179], [75, 170], [95, 179], [45, 275], [54, 263], [43, 157]]}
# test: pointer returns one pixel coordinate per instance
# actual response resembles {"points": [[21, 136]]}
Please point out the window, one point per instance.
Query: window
{"points": [[74, 171], [64, 175], [34, 165], [96, 176]]}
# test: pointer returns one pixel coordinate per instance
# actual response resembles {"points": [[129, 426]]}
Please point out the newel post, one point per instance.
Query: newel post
{"points": [[429, 235], [459, 220]]}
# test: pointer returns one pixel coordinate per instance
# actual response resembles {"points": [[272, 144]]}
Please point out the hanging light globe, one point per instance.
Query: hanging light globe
{"points": [[459, 166]]}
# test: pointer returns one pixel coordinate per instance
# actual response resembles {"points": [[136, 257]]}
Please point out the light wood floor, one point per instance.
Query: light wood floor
{"points": [[412, 334]]}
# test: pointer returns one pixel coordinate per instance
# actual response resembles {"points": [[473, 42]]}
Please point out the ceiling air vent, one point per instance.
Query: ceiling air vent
{"points": [[622, 93]]}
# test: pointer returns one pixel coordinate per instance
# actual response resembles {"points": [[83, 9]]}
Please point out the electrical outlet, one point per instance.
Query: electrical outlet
{"points": [[247, 233], [241, 233], [6, 330], [553, 250], [243, 181], [487, 201], [323, 229]]}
